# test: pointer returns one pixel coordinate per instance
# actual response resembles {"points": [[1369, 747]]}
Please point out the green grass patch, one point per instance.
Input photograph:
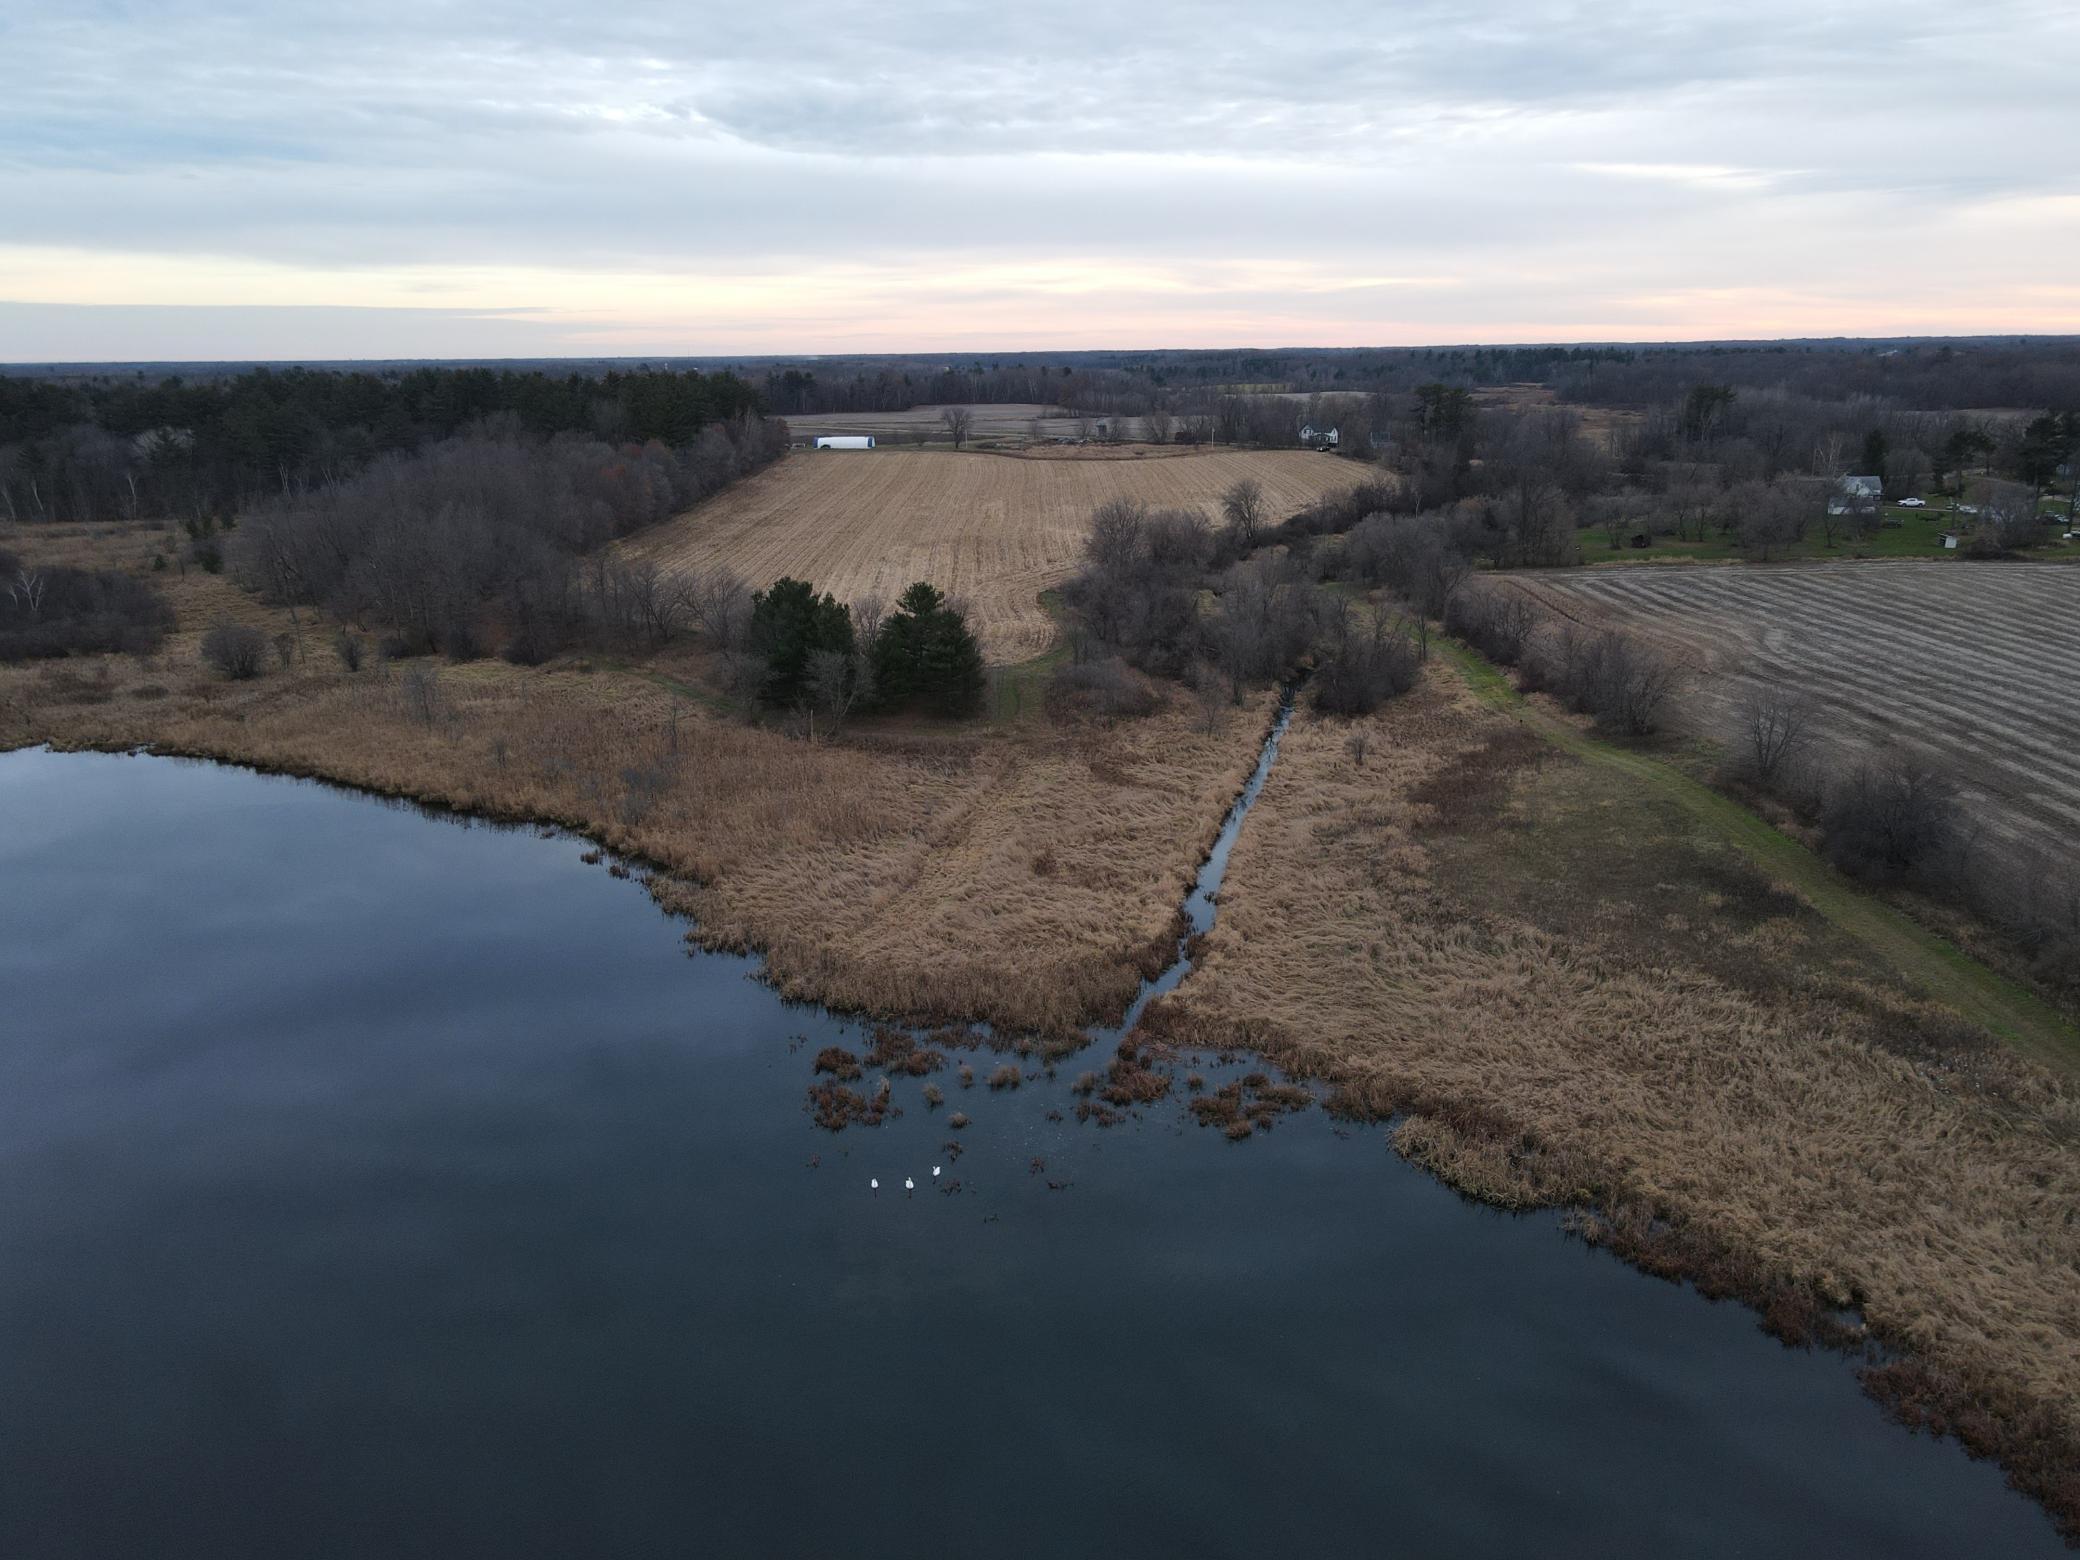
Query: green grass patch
{"points": [[1019, 692], [1945, 971]]}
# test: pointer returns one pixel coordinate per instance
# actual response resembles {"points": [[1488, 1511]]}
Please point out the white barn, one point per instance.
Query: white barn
{"points": [[844, 441]]}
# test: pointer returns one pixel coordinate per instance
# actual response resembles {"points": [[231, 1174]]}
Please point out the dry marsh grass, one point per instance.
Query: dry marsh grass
{"points": [[1574, 999], [889, 872], [992, 530], [1566, 997]]}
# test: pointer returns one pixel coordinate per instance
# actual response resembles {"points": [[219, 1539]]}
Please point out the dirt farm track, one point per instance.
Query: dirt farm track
{"points": [[1976, 665], [993, 530]]}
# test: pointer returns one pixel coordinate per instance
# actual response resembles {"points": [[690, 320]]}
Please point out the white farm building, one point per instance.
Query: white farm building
{"points": [[1856, 496], [844, 441]]}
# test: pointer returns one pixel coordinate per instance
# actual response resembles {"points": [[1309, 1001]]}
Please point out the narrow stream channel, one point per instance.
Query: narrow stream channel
{"points": [[377, 1184], [1200, 905]]}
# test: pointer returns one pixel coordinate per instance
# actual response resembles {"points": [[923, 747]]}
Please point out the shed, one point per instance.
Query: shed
{"points": [[844, 441], [1951, 539]]}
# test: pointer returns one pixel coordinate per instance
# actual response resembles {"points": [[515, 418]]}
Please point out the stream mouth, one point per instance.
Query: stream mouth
{"points": [[1201, 904], [380, 1184]]}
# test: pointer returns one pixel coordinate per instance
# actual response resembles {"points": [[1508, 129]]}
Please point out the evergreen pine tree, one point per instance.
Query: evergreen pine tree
{"points": [[790, 623], [924, 657]]}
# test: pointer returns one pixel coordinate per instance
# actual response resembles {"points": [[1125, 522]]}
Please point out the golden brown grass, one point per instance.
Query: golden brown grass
{"points": [[889, 871], [1571, 996], [992, 530], [1579, 1000]]}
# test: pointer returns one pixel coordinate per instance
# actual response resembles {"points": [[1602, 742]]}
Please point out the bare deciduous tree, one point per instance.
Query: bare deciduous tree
{"points": [[1210, 691], [1776, 727], [1243, 507], [960, 421], [833, 688], [235, 650], [27, 590], [721, 603]]}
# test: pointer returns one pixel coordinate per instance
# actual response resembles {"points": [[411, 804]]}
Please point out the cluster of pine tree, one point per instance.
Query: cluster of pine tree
{"points": [[920, 657]]}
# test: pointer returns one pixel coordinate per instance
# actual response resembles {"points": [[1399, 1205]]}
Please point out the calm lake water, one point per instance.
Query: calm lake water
{"points": [[376, 1185]]}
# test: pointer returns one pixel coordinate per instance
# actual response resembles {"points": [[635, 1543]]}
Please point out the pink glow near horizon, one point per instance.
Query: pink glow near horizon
{"points": [[420, 181]]}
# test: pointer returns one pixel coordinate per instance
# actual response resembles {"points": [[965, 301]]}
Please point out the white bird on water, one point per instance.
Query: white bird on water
{"points": [[935, 1172], [873, 1183], [909, 1185]]}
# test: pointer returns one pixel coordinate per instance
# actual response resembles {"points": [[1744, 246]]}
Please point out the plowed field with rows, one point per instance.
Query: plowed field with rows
{"points": [[1976, 665]]}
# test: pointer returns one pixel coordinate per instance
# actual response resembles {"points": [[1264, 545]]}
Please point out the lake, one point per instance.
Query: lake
{"points": [[377, 1184]]}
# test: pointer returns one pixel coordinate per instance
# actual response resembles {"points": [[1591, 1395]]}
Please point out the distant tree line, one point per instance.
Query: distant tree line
{"points": [[104, 448]]}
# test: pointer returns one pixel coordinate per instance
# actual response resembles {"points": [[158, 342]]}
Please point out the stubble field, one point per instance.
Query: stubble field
{"points": [[1972, 665], [992, 530]]}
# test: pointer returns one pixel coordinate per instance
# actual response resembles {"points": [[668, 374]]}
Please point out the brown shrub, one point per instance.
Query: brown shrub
{"points": [[897, 1052], [838, 1061], [836, 1107], [1129, 1081]]}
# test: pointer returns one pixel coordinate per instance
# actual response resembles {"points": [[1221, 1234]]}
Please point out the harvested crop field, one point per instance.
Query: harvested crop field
{"points": [[993, 530], [1972, 664]]}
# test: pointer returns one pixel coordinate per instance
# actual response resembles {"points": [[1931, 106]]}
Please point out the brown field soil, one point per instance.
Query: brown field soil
{"points": [[987, 529], [1974, 665], [1026, 873], [1576, 992]]}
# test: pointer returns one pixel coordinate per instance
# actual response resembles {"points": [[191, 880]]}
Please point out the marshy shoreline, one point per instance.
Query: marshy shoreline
{"points": [[1030, 878]]}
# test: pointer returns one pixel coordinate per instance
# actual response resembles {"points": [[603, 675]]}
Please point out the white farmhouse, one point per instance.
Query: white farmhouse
{"points": [[1856, 496], [1320, 438]]}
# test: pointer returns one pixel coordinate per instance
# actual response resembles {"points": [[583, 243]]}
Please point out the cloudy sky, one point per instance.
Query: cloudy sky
{"points": [[196, 178]]}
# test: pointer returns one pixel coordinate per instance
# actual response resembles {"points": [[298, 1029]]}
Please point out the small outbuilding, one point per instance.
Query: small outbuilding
{"points": [[1952, 539], [845, 441]]}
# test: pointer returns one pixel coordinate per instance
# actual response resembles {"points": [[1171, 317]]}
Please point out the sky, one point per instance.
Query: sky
{"points": [[189, 179]]}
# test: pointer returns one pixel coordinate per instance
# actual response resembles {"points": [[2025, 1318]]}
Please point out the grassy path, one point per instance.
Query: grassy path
{"points": [[1940, 967]]}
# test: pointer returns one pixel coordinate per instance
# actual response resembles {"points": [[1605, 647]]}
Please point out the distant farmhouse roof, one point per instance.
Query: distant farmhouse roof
{"points": [[1863, 487]]}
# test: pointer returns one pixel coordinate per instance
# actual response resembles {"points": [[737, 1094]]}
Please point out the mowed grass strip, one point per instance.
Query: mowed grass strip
{"points": [[1938, 966]]}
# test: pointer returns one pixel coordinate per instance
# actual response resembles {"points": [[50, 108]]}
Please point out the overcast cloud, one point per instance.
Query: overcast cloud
{"points": [[185, 179]]}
